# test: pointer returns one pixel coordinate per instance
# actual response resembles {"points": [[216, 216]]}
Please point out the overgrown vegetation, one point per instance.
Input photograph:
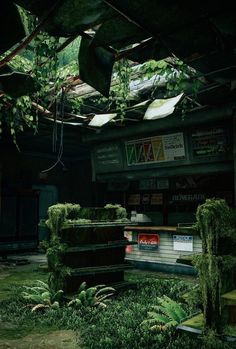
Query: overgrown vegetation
{"points": [[41, 296], [118, 325], [167, 314], [213, 223], [68, 213], [96, 296], [62, 217]]}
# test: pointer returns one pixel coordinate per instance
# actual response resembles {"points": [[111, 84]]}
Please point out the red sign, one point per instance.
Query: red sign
{"points": [[148, 241]]}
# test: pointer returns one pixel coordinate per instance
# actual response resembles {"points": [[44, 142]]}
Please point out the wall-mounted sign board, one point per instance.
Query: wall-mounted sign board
{"points": [[134, 199], [183, 243], [210, 142], [153, 183], [167, 152], [188, 197], [156, 149], [157, 199], [107, 157], [148, 241]]}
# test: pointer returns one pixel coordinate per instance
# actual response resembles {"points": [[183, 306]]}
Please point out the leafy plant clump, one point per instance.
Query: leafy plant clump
{"points": [[166, 315], [96, 296], [58, 213], [120, 211], [42, 296], [213, 222]]}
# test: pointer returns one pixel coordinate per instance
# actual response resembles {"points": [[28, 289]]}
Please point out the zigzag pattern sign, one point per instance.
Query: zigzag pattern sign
{"points": [[155, 149]]}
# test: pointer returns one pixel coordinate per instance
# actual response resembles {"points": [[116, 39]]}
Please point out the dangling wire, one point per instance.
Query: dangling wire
{"points": [[54, 132], [60, 151]]}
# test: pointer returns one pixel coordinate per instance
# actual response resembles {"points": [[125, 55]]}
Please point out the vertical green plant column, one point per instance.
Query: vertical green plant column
{"points": [[57, 216], [213, 220]]}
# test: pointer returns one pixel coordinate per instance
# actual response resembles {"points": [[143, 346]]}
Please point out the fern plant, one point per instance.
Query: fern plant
{"points": [[96, 296], [166, 315], [41, 296]]}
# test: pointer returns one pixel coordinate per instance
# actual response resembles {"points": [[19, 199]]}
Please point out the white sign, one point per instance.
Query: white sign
{"points": [[183, 243], [155, 149]]}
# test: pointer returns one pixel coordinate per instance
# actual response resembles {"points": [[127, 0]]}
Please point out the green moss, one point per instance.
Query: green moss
{"points": [[196, 321], [81, 221], [57, 278], [229, 298], [57, 215], [213, 223], [120, 211], [63, 217]]}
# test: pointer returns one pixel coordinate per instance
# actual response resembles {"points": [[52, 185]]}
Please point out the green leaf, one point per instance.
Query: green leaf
{"points": [[105, 290], [82, 287], [57, 296]]}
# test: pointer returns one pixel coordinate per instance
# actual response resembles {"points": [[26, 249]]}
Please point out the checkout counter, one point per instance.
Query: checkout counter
{"points": [[161, 248]]}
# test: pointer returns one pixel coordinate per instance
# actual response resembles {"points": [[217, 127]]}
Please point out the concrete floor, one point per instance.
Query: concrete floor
{"points": [[32, 257]]}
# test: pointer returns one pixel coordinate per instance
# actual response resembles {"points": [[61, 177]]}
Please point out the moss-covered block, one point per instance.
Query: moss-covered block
{"points": [[196, 321]]}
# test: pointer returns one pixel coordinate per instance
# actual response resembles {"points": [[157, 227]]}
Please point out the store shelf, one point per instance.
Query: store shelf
{"points": [[187, 259], [94, 247], [151, 228], [100, 270], [94, 225]]}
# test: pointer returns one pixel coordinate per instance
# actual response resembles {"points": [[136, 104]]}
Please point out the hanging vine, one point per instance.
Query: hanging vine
{"points": [[123, 86], [17, 113], [175, 76]]}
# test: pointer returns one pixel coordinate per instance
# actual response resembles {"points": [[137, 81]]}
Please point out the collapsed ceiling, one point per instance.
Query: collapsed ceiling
{"points": [[201, 34]]}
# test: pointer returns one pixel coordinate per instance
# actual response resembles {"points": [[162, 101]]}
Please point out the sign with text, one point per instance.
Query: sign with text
{"points": [[210, 142], [153, 183], [188, 197], [107, 157], [148, 241], [157, 199], [134, 199], [155, 149], [183, 243]]}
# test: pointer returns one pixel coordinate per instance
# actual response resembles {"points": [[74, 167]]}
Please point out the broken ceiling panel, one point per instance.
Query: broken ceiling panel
{"points": [[96, 64], [118, 32], [69, 17], [160, 108], [11, 27], [101, 119]]}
